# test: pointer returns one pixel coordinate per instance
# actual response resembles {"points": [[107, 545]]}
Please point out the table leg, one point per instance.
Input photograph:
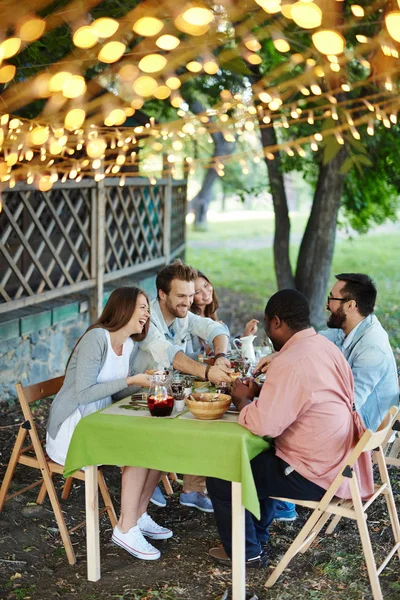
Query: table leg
{"points": [[92, 523], [238, 544]]}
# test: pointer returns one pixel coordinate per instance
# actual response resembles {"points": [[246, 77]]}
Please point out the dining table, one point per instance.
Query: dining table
{"points": [[123, 434]]}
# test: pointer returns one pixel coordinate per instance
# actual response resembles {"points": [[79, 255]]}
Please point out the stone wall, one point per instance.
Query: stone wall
{"points": [[38, 355]]}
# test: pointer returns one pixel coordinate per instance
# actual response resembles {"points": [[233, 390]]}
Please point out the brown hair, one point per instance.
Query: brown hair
{"points": [[176, 270], [210, 310], [117, 313]]}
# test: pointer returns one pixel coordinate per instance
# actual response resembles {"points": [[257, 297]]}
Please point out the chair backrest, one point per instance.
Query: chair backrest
{"points": [[368, 441], [43, 389], [37, 391], [384, 430]]}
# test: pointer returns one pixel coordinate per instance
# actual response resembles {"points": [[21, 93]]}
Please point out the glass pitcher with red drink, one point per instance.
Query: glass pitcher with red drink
{"points": [[159, 401]]}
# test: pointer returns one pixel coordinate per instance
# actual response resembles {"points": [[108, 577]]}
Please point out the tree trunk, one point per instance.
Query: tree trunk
{"points": [[283, 269], [317, 246], [202, 199]]}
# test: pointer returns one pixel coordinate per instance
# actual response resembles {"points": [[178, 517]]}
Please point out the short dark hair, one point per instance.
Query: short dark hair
{"points": [[176, 270], [361, 288], [291, 306]]}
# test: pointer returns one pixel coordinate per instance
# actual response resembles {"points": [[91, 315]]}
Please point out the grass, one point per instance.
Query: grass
{"points": [[250, 271]]}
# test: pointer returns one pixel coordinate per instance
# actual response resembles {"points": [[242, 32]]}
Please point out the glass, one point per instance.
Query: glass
{"points": [[329, 298], [222, 387], [241, 365], [159, 401]]}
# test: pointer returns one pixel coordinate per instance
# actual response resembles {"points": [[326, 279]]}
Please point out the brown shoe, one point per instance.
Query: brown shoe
{"points": [[221, 557]]}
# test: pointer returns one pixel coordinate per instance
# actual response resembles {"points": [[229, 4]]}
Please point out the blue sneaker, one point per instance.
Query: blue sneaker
{"points": [[285, 511], [158, 498], [197, 500]]}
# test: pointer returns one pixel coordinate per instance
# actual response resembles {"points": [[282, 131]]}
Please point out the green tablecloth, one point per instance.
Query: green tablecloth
{"points": [[211, 448]]}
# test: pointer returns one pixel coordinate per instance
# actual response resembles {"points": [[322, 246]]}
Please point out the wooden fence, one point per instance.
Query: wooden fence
{"points": [[79, 236]]}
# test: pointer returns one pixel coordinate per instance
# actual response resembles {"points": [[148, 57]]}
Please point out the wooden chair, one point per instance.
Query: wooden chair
{"points": [[166, 480], [34, 456], [353, 509]]}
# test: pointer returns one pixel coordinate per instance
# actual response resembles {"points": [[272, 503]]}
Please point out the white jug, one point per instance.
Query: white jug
{"points": [[247, 349]]}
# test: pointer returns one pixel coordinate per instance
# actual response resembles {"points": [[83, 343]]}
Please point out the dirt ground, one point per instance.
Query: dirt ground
{"points": [[33, 564]]}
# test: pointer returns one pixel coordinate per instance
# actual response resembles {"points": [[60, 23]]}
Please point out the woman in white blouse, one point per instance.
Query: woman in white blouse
{"points": [[98, 368]]}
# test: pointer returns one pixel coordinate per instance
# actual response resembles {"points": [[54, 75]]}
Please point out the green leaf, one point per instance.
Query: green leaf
{"points": [[347, 165], [364, 160], [237, 65], [332, 147], [357, 144]]}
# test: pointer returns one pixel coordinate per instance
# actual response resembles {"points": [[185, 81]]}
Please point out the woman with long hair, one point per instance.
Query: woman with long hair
{"points": [[100, 367], [205, 304]]}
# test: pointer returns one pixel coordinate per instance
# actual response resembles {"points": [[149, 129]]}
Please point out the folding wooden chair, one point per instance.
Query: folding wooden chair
{"points": [[391, 451], [34, 456], [353, 509]]}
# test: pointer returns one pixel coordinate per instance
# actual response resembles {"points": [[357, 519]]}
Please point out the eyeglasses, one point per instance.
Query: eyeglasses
{"points": [[329, 298]]}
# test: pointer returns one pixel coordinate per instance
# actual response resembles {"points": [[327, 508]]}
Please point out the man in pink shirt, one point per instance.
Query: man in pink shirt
{"points": [[306, 404]]}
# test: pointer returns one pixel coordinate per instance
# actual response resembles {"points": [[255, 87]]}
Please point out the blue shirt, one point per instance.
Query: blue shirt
{"points": [[367, 350], [162, 343]]}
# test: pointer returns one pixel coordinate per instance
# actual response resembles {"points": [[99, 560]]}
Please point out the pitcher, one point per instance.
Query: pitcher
{"points": [[247, 349]]}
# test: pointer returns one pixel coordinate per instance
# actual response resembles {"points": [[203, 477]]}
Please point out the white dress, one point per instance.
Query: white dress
{"points": [[115, 367]]}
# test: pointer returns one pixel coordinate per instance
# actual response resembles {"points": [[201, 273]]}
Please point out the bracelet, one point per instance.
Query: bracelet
{"points": [[208, 367], [220, 355]]}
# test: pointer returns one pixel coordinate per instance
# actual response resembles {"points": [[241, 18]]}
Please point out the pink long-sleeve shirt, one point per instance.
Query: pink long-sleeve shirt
{"points": [[306, 405]]}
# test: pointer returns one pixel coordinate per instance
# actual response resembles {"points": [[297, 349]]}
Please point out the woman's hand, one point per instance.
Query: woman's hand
{"points": [[250, 328], [141, 379]]}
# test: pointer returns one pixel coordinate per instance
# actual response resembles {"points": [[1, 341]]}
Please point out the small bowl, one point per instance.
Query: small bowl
{"points": [[203, 407]]}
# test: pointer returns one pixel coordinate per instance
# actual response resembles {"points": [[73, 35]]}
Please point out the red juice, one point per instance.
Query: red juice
{"points": [[160, 408]]}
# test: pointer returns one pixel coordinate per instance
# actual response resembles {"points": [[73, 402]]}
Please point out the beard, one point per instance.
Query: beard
{"points": [[178, 311], [337, 320]]}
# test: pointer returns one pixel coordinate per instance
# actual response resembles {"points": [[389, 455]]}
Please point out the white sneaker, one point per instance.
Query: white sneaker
{"points": [[151, 529], [134, 543]]}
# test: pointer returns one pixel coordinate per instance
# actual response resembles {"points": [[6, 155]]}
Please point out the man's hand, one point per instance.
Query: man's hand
{"points": [[218, 373], [243, 391], [264, 363], [222, 361]]}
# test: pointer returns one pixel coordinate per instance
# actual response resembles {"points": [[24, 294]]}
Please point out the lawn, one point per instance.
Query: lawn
{"points": [[232, 255]]}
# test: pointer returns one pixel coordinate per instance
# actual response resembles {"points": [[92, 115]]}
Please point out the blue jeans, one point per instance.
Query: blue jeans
{"points": [[270, 480]]}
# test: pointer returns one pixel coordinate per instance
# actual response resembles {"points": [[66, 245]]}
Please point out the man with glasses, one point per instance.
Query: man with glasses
{"points": [[365, 344]]}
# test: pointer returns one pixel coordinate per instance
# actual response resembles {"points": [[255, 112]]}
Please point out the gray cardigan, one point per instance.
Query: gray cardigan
{"points": [[80, 384]]}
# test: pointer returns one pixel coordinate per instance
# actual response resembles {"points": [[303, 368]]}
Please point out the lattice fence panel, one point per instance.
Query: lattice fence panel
{"points": [[178, 216], [44, 241], [133, 225]]}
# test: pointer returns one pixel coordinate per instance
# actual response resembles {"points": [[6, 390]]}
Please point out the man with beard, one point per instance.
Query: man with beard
{"points": [[306, 399], [167, 344], [365, 344]]}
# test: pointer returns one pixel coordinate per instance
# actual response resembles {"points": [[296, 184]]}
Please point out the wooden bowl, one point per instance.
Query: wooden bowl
{"points": [[203, 407]]}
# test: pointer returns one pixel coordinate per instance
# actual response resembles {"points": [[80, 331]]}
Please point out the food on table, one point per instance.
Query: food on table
{"points": [[234, 376]]}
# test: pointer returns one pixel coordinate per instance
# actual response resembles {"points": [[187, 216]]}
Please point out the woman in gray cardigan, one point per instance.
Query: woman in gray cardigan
{"points": [[99, 368]]}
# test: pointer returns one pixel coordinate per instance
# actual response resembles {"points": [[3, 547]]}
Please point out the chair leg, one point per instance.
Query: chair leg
{"points": [[11, 465], [107, 499], [294, 548], [173, 476], [67, 488], [390, 503], [321, 523], [365, 540], [42, 493], [167, 485], [333, 524]]}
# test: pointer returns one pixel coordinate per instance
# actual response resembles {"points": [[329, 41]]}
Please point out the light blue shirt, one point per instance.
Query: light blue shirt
{"points": [[368, 352], [162, 343]]}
